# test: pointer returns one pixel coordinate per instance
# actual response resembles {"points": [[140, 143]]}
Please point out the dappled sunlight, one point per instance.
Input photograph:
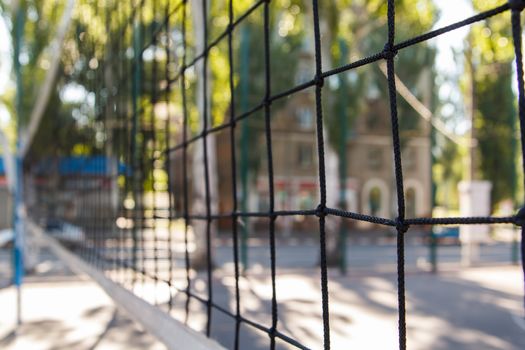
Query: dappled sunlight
{"points": [[53, 319], [360, 307]]}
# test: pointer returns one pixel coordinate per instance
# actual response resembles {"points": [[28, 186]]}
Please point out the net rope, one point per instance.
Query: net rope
{"points": [[147, 144]]}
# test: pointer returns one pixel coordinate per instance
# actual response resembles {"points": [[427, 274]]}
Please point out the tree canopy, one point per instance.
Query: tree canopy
{"points": [[96, 41], [494, 103]]}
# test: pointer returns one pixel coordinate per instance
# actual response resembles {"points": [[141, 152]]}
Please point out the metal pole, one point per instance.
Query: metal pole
{"points": [[515, 254], [137, 33], [428, 105], [515, 247], [245, 134], [433, 246], [343, 122], [19, 236], [18, 250]]}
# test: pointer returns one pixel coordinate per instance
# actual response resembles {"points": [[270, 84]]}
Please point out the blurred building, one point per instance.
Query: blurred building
{"points": [[67, 189], [370, 182]]}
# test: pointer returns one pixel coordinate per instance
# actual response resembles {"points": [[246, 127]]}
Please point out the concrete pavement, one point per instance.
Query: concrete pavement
{"points": [[475, 308], [459, 308], [61, 310]]}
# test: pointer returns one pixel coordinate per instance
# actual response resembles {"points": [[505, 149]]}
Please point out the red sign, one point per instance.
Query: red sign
{"points": [[308, 185]]}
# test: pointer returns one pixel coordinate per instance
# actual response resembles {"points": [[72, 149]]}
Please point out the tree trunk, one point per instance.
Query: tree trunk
{"points": [[199, 258], [332, 223]]}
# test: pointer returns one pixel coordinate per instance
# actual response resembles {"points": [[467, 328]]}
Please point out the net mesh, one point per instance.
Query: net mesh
{"points": [[139, 198]]}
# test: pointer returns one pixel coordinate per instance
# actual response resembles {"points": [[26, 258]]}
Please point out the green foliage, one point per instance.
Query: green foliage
{"points": [[447, 172], [62, 136], [363, 25], [41, 22], [495, 130], [96, 39], [495, 103], [287, 40]]}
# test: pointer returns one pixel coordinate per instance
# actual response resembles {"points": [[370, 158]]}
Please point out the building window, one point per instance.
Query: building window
{"points": [[410, 202], [410, 159], [375, 159], [264, 202], [281, 200], [305, 118], [374, 201], [373, 120], [304, 156], [306, 200]]}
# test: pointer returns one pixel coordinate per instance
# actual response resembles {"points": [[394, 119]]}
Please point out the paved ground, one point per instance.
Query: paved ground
{"points": [[366, 257], [64, 311], [477, 308], [459, 308]]}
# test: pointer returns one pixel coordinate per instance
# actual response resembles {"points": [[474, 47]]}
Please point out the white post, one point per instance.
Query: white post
{"points": [[474, 200]]}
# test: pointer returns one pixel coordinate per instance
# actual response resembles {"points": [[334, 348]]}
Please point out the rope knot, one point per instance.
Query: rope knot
{"points": [[401, 226], [272, 332], [520, 217], [267, 102], [319, 80], [320, 211], [517, 5], [389, 52]]}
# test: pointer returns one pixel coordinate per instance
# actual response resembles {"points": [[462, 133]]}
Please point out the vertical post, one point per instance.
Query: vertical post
{"points": [[134, 147], [244, 71], [471, 110], [433, 246], [515, 254], [18, 251], [433, 250], [343, 122], [515, 247]]}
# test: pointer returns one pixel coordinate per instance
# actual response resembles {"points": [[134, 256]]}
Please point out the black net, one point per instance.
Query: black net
{"points": [[135, 185]]}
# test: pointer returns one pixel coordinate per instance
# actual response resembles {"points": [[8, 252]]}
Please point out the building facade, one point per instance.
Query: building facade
{"points": [[370, 182]]}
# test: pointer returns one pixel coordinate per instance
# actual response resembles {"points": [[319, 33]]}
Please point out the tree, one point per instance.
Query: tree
{"points": [[488, 85], [40, 24], [363, 25]]}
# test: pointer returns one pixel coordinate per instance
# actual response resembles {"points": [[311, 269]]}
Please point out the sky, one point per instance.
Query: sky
{"points": [[451, 11]]}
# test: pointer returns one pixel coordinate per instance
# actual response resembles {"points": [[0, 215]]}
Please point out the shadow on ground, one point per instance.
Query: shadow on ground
{"points": [[119, 331], [445, 311]]}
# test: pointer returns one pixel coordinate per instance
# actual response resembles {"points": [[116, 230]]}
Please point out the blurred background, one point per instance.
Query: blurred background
{"points": [[104, 105]]}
